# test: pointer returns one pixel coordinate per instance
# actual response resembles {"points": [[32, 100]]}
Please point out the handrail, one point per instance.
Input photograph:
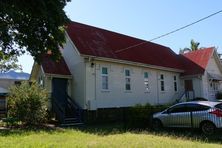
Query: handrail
{"points": [[69, 99], [181, 97], [71, 104], [59, 107], [59, 110]]}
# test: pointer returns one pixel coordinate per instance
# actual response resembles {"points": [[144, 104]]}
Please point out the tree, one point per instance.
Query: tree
{"points": [[33, 26], [193, 47], [28, 103]]}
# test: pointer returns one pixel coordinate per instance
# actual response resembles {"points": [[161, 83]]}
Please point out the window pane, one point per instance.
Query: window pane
{"points": [[104, 82], [178, 109], [161, 76], [197, 107], [127, 72], [175, 86], [145, 74], [162, 85], [175, 78], [104, 70], [128, 87]]}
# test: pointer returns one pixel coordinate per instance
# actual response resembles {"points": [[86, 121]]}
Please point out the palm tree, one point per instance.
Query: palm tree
{"points": [[193, 47]]}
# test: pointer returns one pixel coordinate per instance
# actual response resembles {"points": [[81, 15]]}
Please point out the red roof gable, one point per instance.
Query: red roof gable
{"points": [[55, 67], [195, 62], [103, 43]]}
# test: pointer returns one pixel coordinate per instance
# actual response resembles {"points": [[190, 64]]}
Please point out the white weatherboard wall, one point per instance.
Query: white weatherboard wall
{"points": [[212, 68], [117, 96], [76, 66]]}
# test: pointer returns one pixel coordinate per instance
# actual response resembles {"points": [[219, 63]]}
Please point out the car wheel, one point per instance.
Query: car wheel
{"points": [[208, 128], [156, 124]]}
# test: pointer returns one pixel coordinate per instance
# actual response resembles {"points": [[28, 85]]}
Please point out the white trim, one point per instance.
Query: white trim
{"points": [[133, 63], [73, 45], [58, 76]]}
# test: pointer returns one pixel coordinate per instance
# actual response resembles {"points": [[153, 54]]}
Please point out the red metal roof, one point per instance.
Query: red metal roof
{"points": [[195, 62], [54, 67], [103, 43]]}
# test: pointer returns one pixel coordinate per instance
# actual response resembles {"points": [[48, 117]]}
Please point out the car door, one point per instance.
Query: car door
{"points": [[199, 113], [179, 116]]}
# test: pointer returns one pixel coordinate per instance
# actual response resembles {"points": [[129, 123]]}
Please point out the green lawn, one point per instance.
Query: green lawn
{"points": [[104, 136]]}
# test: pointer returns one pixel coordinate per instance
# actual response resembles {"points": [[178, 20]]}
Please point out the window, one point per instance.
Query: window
{"points": [[178, 109], [128, 80], [162, 84], [105, 78], [197, 107], [146, 81], [175, 83], [214, 85]]}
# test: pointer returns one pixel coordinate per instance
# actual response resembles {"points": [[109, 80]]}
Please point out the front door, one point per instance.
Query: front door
{"points": [[188, 85], [189, 89], [59, 92]]}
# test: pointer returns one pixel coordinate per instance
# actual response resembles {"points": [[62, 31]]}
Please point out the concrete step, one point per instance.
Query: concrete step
{"points": [[71, 124]]}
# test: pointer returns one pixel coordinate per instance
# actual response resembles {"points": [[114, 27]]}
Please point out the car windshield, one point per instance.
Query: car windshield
{"points": [[219, 106]]}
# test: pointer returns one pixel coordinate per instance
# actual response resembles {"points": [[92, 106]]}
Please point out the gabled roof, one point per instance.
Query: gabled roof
{"points": [[54, 67], [103, 43], [195, 62]]}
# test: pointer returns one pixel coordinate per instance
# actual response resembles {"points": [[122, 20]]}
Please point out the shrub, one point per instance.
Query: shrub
{"points": [[140, 116], [199, 99], [219, 96], [28, 103]]}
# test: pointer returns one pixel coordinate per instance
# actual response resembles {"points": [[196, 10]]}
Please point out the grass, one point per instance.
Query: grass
{"points": [[104, 136]]}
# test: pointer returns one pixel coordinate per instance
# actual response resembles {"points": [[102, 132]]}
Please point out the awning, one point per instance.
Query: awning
{"points": [[213, 76]]}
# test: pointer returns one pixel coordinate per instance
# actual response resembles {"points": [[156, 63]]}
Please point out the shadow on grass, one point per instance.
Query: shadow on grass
{"points": [[27, 130], [182, 133], [119, 128]]}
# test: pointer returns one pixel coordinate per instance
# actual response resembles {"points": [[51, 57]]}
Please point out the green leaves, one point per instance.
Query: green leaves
{"points": [[37, 26], [28, 103]]}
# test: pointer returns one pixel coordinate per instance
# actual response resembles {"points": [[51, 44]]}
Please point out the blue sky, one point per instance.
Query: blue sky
{"points": [[147, 19]]}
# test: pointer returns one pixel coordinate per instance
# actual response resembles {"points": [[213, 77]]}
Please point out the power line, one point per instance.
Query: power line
{"points": [[171, 32]]}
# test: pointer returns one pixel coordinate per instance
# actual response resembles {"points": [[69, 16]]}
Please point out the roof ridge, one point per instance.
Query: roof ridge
{"points": [[198, 50]]}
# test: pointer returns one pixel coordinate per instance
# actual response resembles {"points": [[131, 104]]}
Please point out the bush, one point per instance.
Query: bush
{"points": [[199, 99], [219, 96], [28, 103], [140, 116]]}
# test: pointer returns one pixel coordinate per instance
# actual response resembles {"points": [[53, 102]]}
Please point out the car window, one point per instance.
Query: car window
{"points": [[219, 106], [178, 109], [197, 107]]}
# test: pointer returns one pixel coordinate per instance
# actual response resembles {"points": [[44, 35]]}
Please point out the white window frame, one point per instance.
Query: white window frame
{"points": [[175, 83], [146, 81], [127, 77], [162, 80], [214, 86], [107, 77]]}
